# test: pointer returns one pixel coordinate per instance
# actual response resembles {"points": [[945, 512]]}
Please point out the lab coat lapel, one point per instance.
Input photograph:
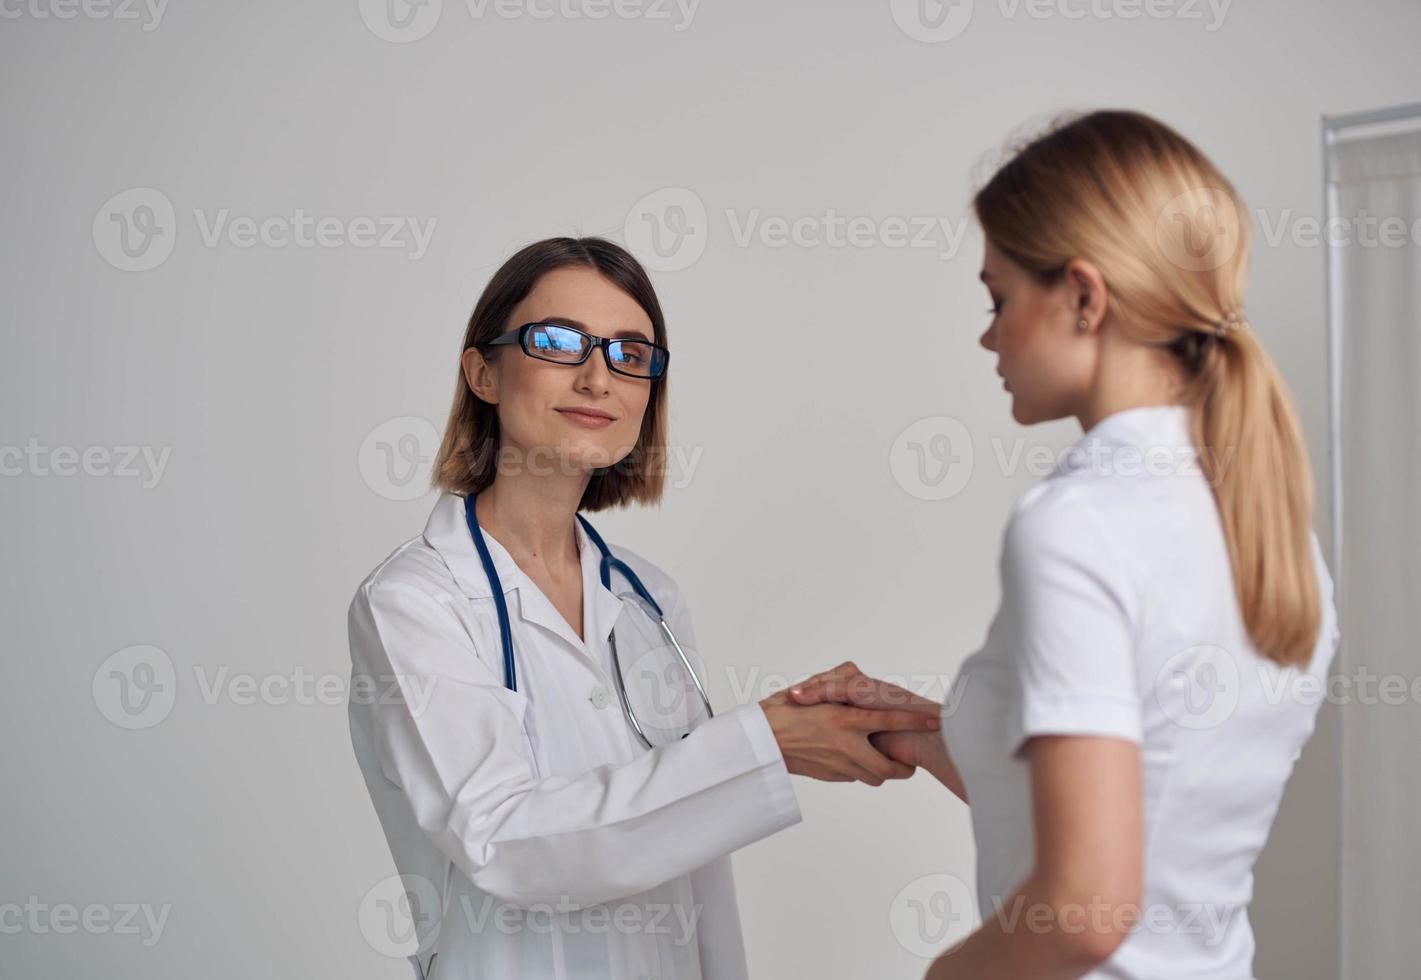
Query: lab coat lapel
{"points": [[600, 606], [448, 533]]}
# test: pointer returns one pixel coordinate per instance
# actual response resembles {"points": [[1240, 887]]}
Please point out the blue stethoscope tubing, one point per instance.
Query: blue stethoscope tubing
{"points": [[609, 563]]}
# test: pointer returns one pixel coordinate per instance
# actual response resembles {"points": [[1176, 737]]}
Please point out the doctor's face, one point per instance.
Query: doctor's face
{"points": [[569, 418], [1044, 363]]}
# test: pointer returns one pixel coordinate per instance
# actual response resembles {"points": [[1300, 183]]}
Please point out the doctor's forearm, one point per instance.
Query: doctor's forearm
{"points": [[676, 808]]}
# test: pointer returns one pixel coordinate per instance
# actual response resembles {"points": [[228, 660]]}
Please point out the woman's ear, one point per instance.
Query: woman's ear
{"points": [[481, 375], [1087, 291]]}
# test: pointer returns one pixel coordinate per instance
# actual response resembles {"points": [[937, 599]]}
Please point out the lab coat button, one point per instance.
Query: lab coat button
{"points": [[600, 698]]}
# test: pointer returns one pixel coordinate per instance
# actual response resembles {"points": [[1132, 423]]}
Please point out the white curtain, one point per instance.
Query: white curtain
{"points": [[1374, 185]]}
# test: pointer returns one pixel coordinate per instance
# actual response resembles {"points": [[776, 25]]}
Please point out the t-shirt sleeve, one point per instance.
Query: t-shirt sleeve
{"points": [[1069, 622]]}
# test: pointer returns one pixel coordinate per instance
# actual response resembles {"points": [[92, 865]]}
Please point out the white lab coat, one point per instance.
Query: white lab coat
{"points": [[552, 842]]}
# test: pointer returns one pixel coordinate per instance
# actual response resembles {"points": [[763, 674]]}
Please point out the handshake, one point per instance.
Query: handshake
{"points": [[843, 725]]}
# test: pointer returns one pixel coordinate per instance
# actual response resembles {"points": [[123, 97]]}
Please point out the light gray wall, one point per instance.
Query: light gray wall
{"points": [[271, 377]]}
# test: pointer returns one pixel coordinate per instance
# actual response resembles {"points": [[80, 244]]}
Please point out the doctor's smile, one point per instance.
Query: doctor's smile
{"points": [[591, 417]]}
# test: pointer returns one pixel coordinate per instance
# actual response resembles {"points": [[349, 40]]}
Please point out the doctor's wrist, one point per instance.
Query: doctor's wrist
{"points": [[831, 741]]}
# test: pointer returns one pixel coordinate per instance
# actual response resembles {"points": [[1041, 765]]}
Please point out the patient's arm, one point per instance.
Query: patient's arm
{"points": [[846, 684]]}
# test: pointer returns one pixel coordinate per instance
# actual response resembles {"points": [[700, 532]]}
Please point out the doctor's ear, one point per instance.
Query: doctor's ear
{"points": [[481, 375]]}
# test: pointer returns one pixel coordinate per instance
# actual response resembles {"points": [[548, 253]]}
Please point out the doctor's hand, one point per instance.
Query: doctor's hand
{"points": [[846, 684], [831, 741]]}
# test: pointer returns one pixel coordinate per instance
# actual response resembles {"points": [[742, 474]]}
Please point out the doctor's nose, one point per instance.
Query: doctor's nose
{"points": [[593, 375], [988, 340]]}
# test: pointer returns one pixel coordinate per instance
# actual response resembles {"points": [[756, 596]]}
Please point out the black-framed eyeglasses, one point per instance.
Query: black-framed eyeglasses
{"points": [[562, 344]]}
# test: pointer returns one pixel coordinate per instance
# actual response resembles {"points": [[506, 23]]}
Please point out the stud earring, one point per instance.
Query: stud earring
{"points": [[1082, 324]]}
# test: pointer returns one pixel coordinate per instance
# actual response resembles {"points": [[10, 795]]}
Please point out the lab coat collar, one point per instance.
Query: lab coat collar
{"points": [[447, 532], [1150, 429]]}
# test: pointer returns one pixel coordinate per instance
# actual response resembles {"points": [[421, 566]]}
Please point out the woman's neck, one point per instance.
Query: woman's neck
{"points": [[1129, 376], [532, 515]]}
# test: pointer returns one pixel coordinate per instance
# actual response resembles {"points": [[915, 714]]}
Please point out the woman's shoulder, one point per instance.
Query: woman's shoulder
{"points": [[415, 566], [1071, 537], [1061, 512], [1100, 510]]}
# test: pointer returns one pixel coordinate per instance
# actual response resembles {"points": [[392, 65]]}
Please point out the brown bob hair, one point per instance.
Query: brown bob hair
{"points": [[468, 457]]}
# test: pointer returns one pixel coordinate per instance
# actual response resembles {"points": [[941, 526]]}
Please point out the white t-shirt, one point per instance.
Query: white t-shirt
{"points": [[1118, 618]]}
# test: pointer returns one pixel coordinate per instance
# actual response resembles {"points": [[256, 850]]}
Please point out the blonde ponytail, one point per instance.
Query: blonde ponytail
{"points": [[1257, 463]]}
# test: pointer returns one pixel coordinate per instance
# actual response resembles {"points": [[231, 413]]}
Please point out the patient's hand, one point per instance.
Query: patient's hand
{"points": [[846, 684]]}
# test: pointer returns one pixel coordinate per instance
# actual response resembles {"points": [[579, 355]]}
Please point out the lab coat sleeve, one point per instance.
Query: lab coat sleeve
{"points": [[454, 743]]}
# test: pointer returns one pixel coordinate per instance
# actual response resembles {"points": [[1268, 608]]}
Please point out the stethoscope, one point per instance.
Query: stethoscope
{"points": [[607, 565]]}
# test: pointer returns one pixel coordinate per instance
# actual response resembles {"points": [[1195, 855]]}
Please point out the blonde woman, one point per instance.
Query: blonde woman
{"points": [[1125, 733]]}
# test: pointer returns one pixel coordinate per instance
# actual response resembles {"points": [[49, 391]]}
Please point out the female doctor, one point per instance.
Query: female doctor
{"points": [[557, 794]]}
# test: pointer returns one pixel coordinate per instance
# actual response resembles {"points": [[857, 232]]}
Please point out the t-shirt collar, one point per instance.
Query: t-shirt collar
{"points": [[1145, 439]]}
